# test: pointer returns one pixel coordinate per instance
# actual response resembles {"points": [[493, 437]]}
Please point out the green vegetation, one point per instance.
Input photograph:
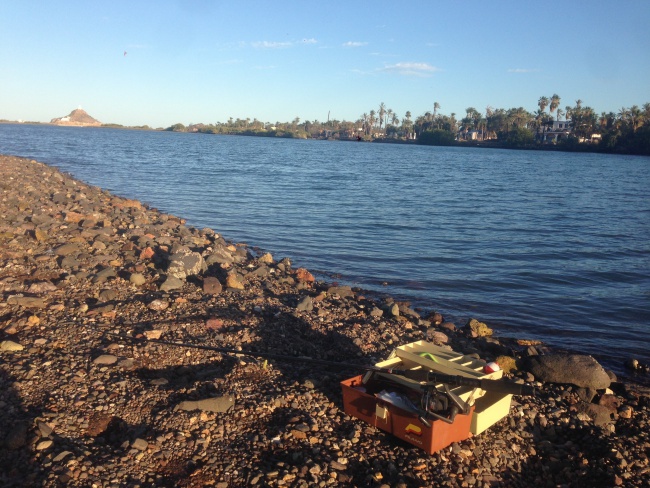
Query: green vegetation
{"points": [[574, 128], [437, 137], [177, 128], [247, 127], [519, 137], [120, 126]]}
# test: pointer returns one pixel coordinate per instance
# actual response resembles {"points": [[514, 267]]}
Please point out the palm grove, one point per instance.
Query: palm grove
{"points": [[626, 131]]}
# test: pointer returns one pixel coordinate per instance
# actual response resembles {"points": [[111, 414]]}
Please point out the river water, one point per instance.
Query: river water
{"points": [[540, 245]]}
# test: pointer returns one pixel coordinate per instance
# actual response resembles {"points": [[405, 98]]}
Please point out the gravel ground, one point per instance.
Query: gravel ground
{"points": [[82, 272]]}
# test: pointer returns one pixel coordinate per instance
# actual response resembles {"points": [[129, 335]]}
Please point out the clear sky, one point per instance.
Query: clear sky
{"points": [[205, 61]]}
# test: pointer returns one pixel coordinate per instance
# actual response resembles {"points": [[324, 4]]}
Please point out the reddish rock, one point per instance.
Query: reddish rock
{"points": [[437, 337], [450, 326], [147, 253], [212, 285], [74, 217], [297, 434], [153, 334], [234, 281], [609, 401], [214, 324], [304, 276], [98, 423], [130, 203]]}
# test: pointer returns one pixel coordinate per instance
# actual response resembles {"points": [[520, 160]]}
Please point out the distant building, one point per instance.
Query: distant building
{"points": [[471, 135], [594, 139], [561, 129], [559, 125]]}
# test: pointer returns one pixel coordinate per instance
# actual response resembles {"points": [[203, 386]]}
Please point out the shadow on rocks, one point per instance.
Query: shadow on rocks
{"points": [[289, 335], [28, 443], [16, 436], [288, 414], [187, 383], [572, 454], [276, 332]]}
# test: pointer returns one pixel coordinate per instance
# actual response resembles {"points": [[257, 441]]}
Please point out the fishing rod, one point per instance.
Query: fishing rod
{"points": [[424, 377], [262, 355]]}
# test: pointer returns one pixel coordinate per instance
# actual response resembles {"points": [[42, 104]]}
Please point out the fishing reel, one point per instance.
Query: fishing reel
{"points": [[441, 405]]}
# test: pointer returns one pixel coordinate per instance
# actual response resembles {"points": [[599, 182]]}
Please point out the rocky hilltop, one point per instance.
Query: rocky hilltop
{"points": [[77, 117], [94, 288]]}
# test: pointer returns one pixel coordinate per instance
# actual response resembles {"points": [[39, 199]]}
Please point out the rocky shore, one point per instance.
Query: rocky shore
{"points": [[82, 272]]}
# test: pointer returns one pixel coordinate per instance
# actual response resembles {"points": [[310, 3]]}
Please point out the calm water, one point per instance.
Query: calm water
{"points": [[550, 246]]}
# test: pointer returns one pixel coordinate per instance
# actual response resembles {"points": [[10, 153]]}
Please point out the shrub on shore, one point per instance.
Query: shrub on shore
{"points": [[437, 137], [518, 137]]}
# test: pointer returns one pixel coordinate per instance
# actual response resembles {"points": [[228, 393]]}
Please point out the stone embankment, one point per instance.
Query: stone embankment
{"points": [[80, 406]]}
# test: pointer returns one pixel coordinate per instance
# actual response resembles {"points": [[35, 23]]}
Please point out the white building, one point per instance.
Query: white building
{"points": [[560, 130]]}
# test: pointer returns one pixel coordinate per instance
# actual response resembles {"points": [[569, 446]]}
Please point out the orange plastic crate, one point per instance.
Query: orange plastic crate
{"points": [[402, 424]]}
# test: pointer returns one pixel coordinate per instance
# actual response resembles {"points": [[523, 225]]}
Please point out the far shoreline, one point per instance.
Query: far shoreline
{"points": [[493, 144]]}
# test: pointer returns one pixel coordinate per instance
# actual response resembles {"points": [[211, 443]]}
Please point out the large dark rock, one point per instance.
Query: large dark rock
{"points": [[220, 255], [579, 370], [600, 414], [342, 291]]}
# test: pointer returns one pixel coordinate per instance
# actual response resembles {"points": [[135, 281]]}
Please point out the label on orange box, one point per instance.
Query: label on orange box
{"points": [[413, 429]]}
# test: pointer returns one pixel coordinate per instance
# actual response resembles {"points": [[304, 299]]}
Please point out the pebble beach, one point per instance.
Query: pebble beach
{"points": [[92, 285]]}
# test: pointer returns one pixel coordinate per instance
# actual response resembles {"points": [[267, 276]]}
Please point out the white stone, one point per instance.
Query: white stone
{"points": [[10, 346]]}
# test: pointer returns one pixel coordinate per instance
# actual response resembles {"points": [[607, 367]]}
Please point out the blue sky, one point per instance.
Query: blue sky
{"points": [[206, 61]]}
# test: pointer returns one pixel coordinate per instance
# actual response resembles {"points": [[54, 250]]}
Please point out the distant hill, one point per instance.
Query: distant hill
{"points": [[77, 117]]}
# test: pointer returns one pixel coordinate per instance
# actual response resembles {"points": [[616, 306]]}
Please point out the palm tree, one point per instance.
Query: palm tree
{"points": [[436, 107], [539, 121], [568, 112], [382, 113], [543, 103], [555, 102], [583, 120], [519, 117], [406, 123], [560, 113], [452, 122], [497, 121], [611, 121], [636, 117], [482, 125], [419, 125], [623, 115], [389, 116], [646, 112], [602, 120]]}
